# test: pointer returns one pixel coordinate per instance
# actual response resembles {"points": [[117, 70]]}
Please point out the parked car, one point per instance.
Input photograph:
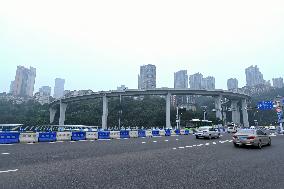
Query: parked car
{"points": [[272, 128], [207, 132], [251, 137]]}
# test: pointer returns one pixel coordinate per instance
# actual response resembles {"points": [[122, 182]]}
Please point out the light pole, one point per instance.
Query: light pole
{"points": [[204, 112], [119, 114]]}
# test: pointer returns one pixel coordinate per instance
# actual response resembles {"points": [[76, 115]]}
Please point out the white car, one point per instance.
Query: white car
{"points": [[252, 127], [232, 129], [207, 132], [272, 128]]}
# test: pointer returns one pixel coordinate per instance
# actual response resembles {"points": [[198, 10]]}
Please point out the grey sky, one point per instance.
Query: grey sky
{"points": [[100, 45]]}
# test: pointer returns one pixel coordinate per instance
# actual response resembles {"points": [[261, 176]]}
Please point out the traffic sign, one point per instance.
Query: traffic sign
{"points": [[265, 105]]}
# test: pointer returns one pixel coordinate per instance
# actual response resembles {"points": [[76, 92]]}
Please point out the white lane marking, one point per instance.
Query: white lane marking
{"points": [[194, 145], [6, 144], [166, 140], [91, 140], [51, 142], [82, 140], [59, 141], [188, 146], [126, 138], [72, 141], [154, 141], [214, 143], [207, 144], [143, 142], [157, 136], [230, 140], [220, 141], [30, 143], [5, 153], [9, 171], [104, 139], [177, 139], [174, 148], [181, 147], [200, 145]]}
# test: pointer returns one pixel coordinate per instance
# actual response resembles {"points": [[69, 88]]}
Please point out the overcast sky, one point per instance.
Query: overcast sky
{"points": [[100, 44]]}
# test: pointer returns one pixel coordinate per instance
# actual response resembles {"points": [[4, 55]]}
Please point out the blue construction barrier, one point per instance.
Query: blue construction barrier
{"points": [[9, 137], [104, 135], [78, 135], [177, 131], [141, 133], [156, 133], [186, 132], [124, 134], [47, 137], [167, 132]]}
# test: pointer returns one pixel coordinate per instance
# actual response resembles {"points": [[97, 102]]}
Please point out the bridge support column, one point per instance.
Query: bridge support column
{"points": [[218, 107], [105, 112], [63, 108], [52, 112], [168, 111], [235, 112], [245, 113]]}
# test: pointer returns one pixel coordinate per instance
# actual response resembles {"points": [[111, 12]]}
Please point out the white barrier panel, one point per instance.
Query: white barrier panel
{"points": [[133, 134], [162, 133], [149, 133], [63, 136], [28, 137], [182, 132], [114, 134], [91, 136], [173, 132]]}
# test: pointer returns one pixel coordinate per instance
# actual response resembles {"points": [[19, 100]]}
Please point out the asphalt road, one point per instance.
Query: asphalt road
{"points": [[163, 162]]}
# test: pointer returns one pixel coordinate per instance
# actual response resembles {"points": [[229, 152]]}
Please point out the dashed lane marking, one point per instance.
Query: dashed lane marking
{"points": [[188, 146], [143, 142], [174, 148], [6, 144], [177, 139], [207, 144], [194, 145], [166, 140], [154, 141], [181, 147], [72, 141], [51, 142], [7, 171], [213, 142], [5, 153]]}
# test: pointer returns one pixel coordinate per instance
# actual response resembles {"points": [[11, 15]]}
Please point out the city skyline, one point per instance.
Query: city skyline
{"points": [[90, 54]]}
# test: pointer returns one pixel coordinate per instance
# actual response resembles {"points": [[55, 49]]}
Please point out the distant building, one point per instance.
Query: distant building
{"points": [[59, 88], [195, 81], [122, 88], [180, 82], [254, 77], [43, 96], [278, 82], [24, 82], [232, 84], [181, 79], [208, 83], [45, 90], [147, 77]]}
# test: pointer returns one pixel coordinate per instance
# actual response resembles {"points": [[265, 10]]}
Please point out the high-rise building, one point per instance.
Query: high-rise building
{"points": [[208, 83], [24, 82], [232, 84], [278, 82], [147, 77], [43, 96], [180, 82], [122, 88], [181, 79], [59, 88], [254, 76], [195, 81]]}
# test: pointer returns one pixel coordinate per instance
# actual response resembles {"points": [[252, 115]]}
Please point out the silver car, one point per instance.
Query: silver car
{"points": [[251, 137], [207, 132]]}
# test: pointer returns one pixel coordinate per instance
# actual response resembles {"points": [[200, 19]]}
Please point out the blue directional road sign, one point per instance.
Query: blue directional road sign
{"points": [[265, 105]]}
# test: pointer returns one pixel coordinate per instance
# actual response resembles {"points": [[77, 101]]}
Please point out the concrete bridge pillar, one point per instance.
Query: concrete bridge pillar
{"points": [[235, 112], [52, 112], [168, 111], [218, 107], [245, 113], [105, 112], [63, 108]]}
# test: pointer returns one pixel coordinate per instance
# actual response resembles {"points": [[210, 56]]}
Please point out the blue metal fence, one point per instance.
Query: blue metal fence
{"points": [[141, 133], [156, 133], [177, 131], [167, 132]]}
